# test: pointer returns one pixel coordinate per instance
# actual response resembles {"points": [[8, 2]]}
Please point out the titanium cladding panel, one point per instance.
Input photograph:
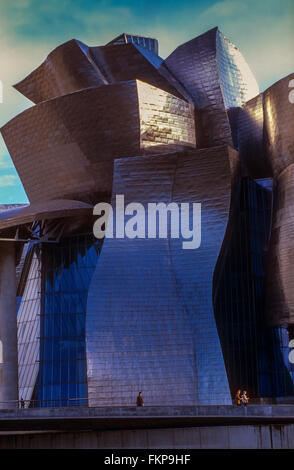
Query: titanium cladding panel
{"points": [[150, 320], [74, 138]]}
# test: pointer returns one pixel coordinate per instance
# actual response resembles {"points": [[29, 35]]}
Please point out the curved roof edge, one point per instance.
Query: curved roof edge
{"points": [[57, 208]]}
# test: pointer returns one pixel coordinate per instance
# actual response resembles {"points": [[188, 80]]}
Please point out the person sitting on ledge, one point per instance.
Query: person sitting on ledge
{"points": [[140, 401], [238, 398]]}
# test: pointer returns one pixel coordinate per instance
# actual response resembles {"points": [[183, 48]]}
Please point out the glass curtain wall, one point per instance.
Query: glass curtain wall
{"points": [[67, 268], [253, 351]]}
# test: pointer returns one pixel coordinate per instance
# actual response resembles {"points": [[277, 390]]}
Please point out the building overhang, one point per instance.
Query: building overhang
{"points": [[20, 224]]}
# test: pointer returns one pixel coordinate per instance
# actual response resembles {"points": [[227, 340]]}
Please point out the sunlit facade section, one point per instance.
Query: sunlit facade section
{"points": [[164, 119], [237, 81], [28, 323]]}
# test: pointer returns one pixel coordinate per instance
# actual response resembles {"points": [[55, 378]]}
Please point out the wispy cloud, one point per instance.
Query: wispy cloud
{"points": [[7, 180], [5, 162], [263, 30]]}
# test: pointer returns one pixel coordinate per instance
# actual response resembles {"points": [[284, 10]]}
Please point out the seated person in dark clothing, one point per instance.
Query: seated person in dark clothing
{"points": [[140, 401]]}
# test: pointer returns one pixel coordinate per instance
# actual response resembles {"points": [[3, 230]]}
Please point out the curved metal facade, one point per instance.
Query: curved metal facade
{"points": [[66, 69], [75, 137], [150, 319], [278, 125], [249, 137], [117, 119], [280, 274], [75, 66], [217, 77], [266, 145], [237, 82]]}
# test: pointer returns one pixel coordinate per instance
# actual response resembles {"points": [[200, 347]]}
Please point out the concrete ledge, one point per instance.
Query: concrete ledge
{"points": [[111, 418]]}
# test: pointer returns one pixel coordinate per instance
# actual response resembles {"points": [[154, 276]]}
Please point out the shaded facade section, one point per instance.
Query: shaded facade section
{"points": [[74, 138], [249, 139], [264, 136], [8, 327], [278, 126], [280, 276], [74, 66], [265, 142], [256, 355], [53, 209], [217, 77], [150, 320], [130, 62], [65, 70]]}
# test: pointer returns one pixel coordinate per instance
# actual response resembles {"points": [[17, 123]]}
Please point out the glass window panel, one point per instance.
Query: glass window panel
{"points": [[67, 269]]}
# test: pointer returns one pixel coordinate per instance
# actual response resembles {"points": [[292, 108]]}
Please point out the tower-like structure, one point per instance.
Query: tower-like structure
{"points": [[97, 322]]}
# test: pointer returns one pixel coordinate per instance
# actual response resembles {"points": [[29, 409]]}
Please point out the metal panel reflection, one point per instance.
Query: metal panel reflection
{"points": [[150, 320]]}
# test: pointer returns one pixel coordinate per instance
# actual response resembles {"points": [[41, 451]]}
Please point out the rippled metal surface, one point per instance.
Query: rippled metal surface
{"points": [[150, 319], [266, 143], [74, 138]]}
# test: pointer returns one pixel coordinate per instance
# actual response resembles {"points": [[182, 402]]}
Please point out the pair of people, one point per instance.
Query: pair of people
{"points": [[242, 399]]}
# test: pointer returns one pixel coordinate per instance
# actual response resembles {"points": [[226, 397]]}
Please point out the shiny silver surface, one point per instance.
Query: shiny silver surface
{"points": [[278, 125], [28, 330], [150, 321], [75, 137], [150, 318], [217, 77]]}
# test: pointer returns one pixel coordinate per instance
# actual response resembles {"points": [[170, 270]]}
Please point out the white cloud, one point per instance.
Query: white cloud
{"points": [[5, 162], [8, 180], [227, 8], [262, 30]]}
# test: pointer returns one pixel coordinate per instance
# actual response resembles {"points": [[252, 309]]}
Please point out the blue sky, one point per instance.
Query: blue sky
{"points": [[30, 29]]}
